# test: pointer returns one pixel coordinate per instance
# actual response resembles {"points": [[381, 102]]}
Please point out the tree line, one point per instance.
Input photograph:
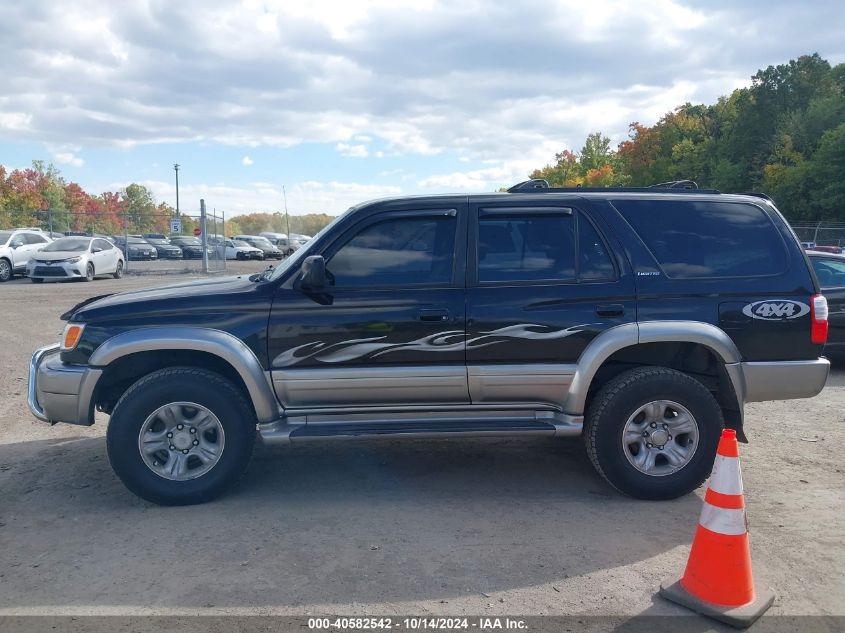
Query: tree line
{"points": [[784, 136], [39, 196]]}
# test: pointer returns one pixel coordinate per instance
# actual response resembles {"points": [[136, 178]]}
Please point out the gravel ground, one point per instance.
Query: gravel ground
{"points": [[420, 527]]}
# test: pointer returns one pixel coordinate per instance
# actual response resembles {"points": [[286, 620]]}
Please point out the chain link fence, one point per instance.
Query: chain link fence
{"points": [[151, 241], [828, 234]]}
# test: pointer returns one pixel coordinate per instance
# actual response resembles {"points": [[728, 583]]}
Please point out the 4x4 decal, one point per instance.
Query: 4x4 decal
{"points": [[449, 341], [776, 309]]}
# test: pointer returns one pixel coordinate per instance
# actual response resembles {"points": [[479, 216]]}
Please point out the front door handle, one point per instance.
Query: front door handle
{"points": [[434, 316], [610, 310]]}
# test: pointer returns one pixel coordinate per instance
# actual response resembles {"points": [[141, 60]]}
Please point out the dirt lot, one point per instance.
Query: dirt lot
{"points": [[423, 527]]}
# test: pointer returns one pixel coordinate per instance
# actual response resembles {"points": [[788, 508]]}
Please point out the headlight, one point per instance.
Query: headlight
{"points": [[73, 260], [71, 336]]}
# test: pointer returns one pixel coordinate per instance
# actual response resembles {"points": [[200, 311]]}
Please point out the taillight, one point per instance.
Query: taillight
{"points": [[818, 314]]}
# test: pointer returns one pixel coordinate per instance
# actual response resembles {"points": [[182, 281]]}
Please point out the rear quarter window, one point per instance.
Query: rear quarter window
{"points": [[695, 239]]}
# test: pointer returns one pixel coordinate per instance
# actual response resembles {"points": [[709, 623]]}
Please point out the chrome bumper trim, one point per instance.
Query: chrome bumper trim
{"points": [[58, 392], [32, 393]]}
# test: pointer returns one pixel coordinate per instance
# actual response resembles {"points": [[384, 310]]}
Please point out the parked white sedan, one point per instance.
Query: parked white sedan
{"points": [[237, 249], [76, 258]]}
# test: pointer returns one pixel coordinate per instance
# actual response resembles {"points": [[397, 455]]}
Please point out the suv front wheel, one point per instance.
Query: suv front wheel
{"points": [[180, 436], [652, 432]]}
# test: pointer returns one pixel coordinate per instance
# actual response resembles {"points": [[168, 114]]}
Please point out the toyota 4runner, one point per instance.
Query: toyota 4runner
{"points": [[641, 319]]}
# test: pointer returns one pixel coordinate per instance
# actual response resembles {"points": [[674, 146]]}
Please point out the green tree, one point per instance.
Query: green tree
{"points": [[596, 152], [140, 208]]}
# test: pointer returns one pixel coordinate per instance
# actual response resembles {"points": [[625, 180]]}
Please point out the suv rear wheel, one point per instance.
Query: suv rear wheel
{"points": [[180, 436], [652, 432]]}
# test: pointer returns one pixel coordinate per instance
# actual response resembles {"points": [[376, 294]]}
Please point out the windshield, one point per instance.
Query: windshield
{"points": [[261, 241], [240, 243], [4, 236], [306, 249], [157, 240], [137, 240], [189, 240], [68, 245]]}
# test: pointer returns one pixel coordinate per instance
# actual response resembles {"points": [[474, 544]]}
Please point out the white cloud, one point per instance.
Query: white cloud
{"points": [[488, 179], [68, 158], [14, 121], [379, 78], [354, 151], [407, 74], [311, 196]]}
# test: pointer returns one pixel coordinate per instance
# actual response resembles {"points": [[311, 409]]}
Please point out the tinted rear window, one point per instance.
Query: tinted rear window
{"points": [[699, 239]]}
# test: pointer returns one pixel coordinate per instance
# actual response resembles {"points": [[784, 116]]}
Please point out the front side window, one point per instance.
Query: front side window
{"points": [[103, 244], [397, 252], [526, 247], [698, 239]]}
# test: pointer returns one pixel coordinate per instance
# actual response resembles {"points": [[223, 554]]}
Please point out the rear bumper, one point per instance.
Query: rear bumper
{"points": [[58, 392], [784, 380]]}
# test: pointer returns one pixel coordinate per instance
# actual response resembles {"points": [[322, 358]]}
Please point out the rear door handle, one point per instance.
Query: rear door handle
{"points": [[436, 316], [610, 310]]}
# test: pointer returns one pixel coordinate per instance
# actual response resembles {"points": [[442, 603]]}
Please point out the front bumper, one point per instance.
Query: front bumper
{"points": [[60, 270], [784, 380], [59, 392]]}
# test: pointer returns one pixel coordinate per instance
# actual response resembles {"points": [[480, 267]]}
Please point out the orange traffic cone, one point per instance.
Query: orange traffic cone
{"points": [[717, 581]]}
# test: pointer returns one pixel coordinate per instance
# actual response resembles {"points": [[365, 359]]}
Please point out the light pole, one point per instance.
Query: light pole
{"points": [[176, 169], [287, 218]]}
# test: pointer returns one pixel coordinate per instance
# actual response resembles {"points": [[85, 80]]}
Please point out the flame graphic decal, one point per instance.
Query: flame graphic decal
{"points": [[449, 341]]}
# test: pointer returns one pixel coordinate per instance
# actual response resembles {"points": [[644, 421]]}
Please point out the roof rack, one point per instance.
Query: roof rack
{"points": [[675, 184], [538, 185], [756, 194], [530, 185]]}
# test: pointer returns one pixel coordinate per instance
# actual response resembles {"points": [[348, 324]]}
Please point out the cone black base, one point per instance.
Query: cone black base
{"points": [[740, 617]]}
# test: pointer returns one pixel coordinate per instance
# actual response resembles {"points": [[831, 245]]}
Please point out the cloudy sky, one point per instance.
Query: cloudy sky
{"points": [[347, 100]]}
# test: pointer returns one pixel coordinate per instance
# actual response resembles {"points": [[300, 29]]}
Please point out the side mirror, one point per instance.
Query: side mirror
{"points": [[15, 245], [96, 249], [313, 273]]}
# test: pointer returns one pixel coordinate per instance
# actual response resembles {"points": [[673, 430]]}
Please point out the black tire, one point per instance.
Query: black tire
{"points": [[6, 271], [36, 280], [619, 399], [89, 272], [180, 384], [118, 273]]}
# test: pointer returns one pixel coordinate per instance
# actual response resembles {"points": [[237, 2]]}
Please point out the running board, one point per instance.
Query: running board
{"points": [[284, 431]]}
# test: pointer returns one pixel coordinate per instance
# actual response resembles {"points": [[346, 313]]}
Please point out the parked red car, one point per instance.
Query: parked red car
{"points": [[829, 249]]}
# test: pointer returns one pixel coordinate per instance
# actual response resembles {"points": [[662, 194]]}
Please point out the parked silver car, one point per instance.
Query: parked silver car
{"points": [[76, 258]]}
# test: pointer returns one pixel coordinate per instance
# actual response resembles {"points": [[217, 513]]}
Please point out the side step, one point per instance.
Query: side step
{"points": [[281, 432]]}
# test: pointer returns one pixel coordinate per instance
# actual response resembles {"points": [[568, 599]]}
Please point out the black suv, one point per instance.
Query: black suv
{"points": [[642, 319]]}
